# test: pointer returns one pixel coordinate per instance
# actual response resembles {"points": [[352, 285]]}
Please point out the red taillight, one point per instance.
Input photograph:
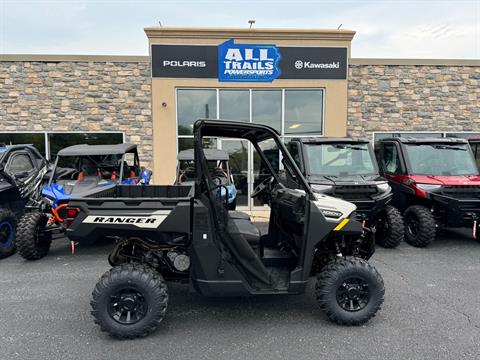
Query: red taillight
{"points": [[71, 215]]}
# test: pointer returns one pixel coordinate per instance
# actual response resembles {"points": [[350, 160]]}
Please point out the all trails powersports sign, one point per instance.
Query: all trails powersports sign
{"points": [[234, 62]]}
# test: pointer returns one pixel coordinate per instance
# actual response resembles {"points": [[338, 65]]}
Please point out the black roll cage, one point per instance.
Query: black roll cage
{"points": [[255, 133]]}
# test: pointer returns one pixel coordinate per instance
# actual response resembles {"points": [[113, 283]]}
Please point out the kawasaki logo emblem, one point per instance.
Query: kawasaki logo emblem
{"points": [[299, 64], [148, 222]]}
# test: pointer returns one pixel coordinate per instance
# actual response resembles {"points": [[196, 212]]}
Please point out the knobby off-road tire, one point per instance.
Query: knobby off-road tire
{"points": [[420, 226], [8, 224], [134, 289], [391, 229], [33, 242], [350, 291]]}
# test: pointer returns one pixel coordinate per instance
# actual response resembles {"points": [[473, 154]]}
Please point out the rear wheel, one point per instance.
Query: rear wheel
{"points": [[130, 301], [8, 223], [390, 229], [420, 226], [33, 241], [350, 291]]}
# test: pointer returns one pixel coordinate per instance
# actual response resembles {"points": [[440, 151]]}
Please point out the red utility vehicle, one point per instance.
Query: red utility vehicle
{"points": [[435, 182]]}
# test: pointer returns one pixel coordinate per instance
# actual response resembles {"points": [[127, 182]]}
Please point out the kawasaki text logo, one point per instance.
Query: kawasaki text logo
{"points": [[299, 64]]}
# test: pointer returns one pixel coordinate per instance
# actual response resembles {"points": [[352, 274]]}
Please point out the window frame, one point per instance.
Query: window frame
{"points": [[283, 136], [47, 133]]}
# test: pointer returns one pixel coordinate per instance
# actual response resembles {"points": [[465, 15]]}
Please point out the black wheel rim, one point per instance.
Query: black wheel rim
{"points": [[353, 294], [412, 225], [6, 234], [127, 306]]}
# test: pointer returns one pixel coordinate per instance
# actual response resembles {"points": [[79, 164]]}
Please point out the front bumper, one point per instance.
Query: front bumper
{"points": [[456, 212]]}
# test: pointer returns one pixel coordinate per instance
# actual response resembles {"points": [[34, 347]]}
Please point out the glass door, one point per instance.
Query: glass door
{"points": [[238, 164]]}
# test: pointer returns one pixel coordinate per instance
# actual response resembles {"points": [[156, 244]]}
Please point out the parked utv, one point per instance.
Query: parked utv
{"points": [[186, 234], [22, 170], [219, 171], [435, 183], [79, 170], [346, 168]]}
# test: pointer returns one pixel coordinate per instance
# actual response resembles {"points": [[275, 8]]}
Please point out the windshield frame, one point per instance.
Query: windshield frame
{"points": [[409, 162], [306, 160]]}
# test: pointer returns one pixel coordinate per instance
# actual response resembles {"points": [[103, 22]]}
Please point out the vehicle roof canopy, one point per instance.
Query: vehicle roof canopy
{"points": [[210, 154], [92, 150], [330, 140], [234, 129], [426, 140]]}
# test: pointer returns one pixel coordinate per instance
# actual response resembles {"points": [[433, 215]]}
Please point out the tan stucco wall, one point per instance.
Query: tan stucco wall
{"points": [[163, 89]]}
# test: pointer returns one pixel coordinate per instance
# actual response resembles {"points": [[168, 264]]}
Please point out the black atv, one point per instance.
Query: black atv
{"points": [[22, 171], [346, 168], [187, 234]]}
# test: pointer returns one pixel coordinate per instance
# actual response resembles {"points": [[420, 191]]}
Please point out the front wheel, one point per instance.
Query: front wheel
{"points": [[350, 291], [130, 301], [33, 241], [420, 226], [390, 229], [8, 223]]}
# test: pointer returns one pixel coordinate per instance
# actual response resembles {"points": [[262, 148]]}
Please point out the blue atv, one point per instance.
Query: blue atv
{"points": [[219, 170], [22, 173], [78, 171]]}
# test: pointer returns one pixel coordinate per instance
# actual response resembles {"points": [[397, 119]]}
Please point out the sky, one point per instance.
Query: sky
{"points": [[385, 29]]}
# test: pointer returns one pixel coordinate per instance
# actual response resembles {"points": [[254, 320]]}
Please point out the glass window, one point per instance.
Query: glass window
{"points": [[463, 135], [234, 105], [260, 169], [238, 163], [294, 151], [391, 160], [58, 141], [20, 163], [36, 139], [303, 111], [441, 159], [187, 143], [339, 159], [193, 105], [267, 108]]}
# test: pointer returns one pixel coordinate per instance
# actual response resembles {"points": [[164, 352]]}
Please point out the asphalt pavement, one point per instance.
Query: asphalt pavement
{"points": [[431, 311]]}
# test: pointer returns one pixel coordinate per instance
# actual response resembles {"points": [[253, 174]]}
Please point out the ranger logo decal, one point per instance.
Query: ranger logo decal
{"points": [[147, 222]]}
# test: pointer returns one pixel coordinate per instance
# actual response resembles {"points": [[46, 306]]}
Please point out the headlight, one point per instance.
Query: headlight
{"points": [[383, 186], [321, 188], [428, 187]]}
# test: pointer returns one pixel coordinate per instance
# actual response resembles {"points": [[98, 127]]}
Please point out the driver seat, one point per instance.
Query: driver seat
{"points": [[248, 230]]}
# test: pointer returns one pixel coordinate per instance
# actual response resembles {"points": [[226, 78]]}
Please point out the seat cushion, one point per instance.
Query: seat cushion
{"points": [[249, 231], [238, 215]]}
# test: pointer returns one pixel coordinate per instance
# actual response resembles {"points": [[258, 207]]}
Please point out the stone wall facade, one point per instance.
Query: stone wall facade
{"points": [[413, 98], [78, 96], [116, 96]]}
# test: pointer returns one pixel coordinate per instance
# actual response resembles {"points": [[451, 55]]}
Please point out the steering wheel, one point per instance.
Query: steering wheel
{"points": [[264, 185]]}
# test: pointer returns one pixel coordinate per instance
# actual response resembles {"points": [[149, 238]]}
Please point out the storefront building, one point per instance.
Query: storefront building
{"points": [[301, 82], [294, 81]]}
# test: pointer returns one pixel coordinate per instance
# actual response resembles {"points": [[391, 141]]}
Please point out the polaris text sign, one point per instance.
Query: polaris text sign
{"points": [[248, 62], [233, 62]]}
